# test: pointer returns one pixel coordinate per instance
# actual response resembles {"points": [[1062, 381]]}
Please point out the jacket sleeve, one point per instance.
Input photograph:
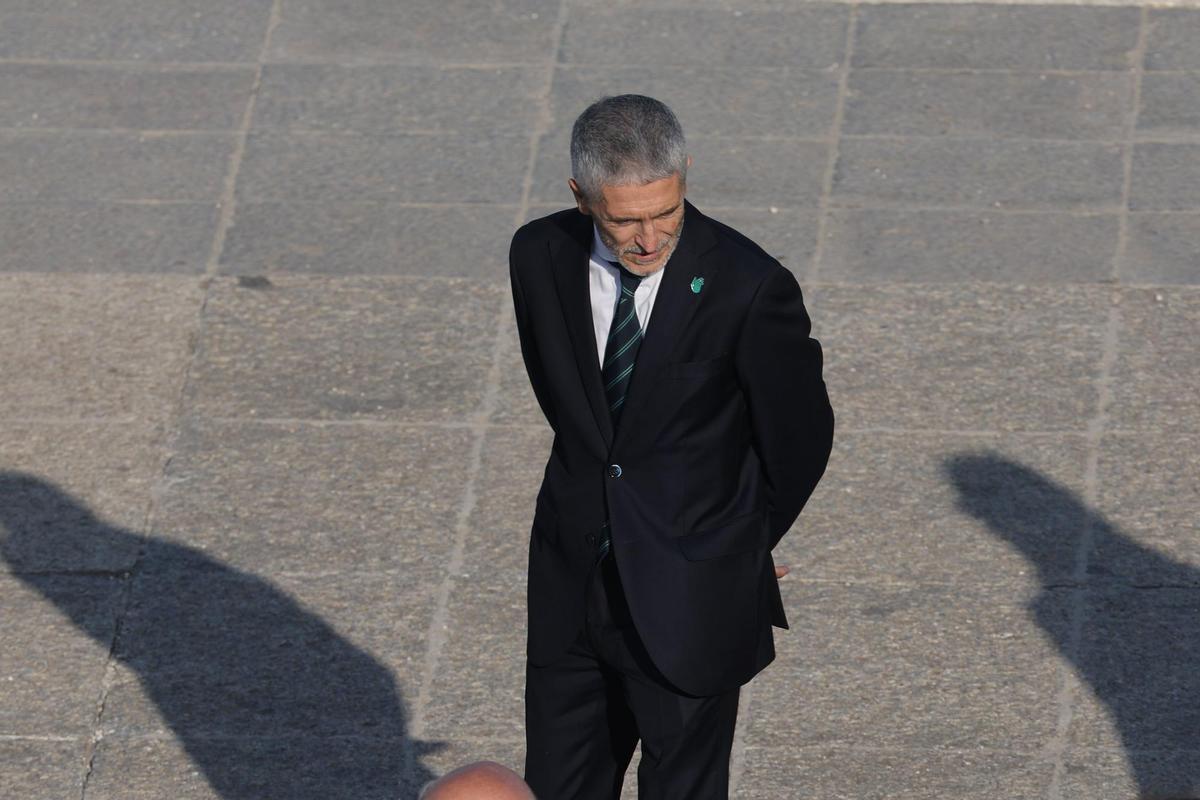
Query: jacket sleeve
{"points": [[779, 370], [529, 351]]}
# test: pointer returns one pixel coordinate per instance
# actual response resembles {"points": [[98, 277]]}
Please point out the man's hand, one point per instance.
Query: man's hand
{"points": [[781, 571]]}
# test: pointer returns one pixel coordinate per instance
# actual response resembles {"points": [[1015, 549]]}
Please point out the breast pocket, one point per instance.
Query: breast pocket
{"points": [[683, 370]]}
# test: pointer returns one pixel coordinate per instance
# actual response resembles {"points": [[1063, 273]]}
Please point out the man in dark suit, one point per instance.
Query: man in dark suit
{"points": [[686, 443]]}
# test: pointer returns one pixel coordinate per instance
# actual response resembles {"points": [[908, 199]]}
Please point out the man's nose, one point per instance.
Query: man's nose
{"points": [[645, 236]]}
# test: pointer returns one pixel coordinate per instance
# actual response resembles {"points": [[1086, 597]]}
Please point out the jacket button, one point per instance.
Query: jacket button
{"points": [[614, 470]]}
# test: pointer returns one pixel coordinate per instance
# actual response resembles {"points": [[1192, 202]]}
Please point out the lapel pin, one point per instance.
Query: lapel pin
{"points": [[697, 285]]}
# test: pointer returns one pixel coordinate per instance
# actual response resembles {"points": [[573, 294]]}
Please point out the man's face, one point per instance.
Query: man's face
{"points": [[640, 223]]}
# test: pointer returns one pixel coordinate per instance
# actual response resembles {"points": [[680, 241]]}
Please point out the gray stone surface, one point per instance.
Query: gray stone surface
{"points": [[148, 768], [386, 98], [92, 346], [121, 96], [999, 104], [1170, 104], [75, 479], [84, 236], [368, 348], [1137, 662], [995, 37], [303, 498], [134, 30], [381, 238], [475, 692], [1166, 177], [52, 675], [968, 358], [1173, 38], [37, 769], [975, 173], [1154, 376], [208, 650], [1105, 774], [406, 168], [81, 165], [1162, 249], [917, 528], [900, 246], [872, 773], [420, 31], [810, 36], [289, 454], [709, 100], [909, 666], [1151, 500]]}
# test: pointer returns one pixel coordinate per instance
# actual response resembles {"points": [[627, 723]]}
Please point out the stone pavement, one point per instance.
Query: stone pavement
{"points": [[268, 456]]}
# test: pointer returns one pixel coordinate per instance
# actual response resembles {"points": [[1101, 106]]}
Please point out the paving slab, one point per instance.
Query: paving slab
{"points": [[1165, 177], [978, 173], [996, 37], [78, 165], [313, 237], [388, 98], [40, 769], [1161, 249], [82, 236], [787, 234], [889, 774], [124, 96], [480, 684], [301, 768], [95, 345], [1083, 106], [811, 36], [422, 31], [403, 349], [1106, 774], [979, 357], [1170, 104], [1173, 40], [896, 245], [229, 30], [919, 666], [301, 498], [401, 167], [58, 630], [931, 498], [1136, 667], [1150, 502], [1154, 376], [208, 650], [709, 100]]}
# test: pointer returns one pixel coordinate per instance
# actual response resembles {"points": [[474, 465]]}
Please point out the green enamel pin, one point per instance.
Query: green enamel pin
{"points": [[697, 285]]}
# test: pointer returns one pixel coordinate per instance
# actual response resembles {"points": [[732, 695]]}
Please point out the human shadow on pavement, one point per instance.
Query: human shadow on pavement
{"points": [[1139, 647], [266, 698]]}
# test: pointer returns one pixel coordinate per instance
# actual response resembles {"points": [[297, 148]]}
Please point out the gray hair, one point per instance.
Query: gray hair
{"points": [[624, 140]]}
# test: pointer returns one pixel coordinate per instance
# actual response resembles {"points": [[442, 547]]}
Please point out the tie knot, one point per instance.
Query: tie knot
{"points": [[629, 280]]}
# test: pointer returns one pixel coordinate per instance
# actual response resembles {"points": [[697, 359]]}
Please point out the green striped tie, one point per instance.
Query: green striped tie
{"points": [[624, 340]]}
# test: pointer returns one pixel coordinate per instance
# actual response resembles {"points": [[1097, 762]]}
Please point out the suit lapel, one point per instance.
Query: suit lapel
{"points": [[674, 306], [569, 257]]}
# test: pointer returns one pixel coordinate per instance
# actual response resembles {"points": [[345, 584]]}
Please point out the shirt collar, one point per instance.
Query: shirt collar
{"points": [[599, 249]]}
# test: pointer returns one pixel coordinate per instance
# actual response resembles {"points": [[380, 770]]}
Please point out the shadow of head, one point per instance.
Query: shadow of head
{"points": [[265, 697]]}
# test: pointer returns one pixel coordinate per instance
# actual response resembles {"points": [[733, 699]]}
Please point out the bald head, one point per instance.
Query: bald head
{"points": [[484, 780]]}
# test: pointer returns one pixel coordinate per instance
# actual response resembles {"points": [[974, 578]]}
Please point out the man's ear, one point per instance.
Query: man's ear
{"points": [[580, 200]]}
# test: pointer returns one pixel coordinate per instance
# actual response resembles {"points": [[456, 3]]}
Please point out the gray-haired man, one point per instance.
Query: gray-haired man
{"points": [[686, 442]]}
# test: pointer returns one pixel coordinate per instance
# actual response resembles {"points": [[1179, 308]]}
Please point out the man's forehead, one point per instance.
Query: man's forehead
{"points": [[637, 200]]}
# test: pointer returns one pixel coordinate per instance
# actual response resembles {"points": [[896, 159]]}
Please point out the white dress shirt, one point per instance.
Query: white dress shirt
{"points": [[604, 282]]}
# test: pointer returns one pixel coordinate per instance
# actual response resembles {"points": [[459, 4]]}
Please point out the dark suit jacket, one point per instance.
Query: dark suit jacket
{"points": [[725, 431]]}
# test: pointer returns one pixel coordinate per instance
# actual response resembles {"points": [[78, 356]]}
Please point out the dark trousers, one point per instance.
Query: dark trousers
{"points": [[585, 713]]}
